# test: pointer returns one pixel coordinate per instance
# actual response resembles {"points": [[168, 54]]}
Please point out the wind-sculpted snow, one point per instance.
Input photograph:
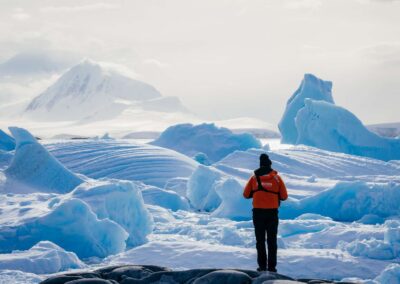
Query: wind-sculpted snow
{"points": [[123, 160], [44, 257], [329, 127], [208, 139], [164, 198], [7, 143], [310, 87], [34, 169], [348, 201], [121, 202], [71, 224]]}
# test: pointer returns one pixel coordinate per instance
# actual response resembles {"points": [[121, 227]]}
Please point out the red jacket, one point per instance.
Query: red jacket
{"points": [[267, 200]]}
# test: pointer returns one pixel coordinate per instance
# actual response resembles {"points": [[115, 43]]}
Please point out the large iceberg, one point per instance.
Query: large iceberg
{"points": [[311, 87], [330, 127], [34, 169], [213, 141], [44, 257]]}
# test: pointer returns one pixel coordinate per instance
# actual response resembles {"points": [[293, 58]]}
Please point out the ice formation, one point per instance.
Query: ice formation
{"points": [[71, 225], [348, 201], [213, 141], [43, 257], [7, 143], [34, 169], [121, 202], [310, 87], [164, 198]]}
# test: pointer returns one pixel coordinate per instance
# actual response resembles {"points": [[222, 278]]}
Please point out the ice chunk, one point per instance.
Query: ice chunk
{"points": [[311, 87], [326, 126], [201, 188], [19, 277], [121, 202], [164, 198], [44, 257], [348, 201], [7, 143], [213, 141], [33, 168], [72, 225], [202, 158], [233, 205]]}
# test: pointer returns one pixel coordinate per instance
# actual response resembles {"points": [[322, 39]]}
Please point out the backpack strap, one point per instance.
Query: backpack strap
{"points": [[261, 188]]}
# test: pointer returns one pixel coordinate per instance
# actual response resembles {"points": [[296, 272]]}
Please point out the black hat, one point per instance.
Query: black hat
{"points": [[265, 161]]}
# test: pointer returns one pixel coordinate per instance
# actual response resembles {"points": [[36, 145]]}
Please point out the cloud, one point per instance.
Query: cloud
{"points": [[20, 15], [155, 62], [387, 53], [303, 4], [82, 8]]}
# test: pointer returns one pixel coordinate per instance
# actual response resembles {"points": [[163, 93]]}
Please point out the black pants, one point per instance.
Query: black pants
{"points": [[266, 220]]}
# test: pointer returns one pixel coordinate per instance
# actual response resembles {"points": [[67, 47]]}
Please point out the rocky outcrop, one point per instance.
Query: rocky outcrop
{"points": [[146, 274]]}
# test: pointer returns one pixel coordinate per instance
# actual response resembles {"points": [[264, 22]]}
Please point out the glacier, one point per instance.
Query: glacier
{"points": [[215, 142], [310, 87]]}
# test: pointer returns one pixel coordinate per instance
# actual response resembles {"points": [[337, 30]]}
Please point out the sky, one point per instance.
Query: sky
{"points": [[227, 58]]}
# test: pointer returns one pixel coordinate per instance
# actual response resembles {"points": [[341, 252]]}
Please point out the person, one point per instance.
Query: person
{"points": [[267, 189]]}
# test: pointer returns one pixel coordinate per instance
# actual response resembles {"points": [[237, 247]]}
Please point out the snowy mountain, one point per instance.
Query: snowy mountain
{"points": [[92, 91], [386, 129]]}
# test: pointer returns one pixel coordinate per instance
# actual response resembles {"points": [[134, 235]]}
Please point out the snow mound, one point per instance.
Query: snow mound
{"points": [[310, 87], [120, 202], [123, 160], [33, 168], [348, 201], [7, 143], [201, 188], [213, 141], [44, 257], [326, 126], [72, 225]]}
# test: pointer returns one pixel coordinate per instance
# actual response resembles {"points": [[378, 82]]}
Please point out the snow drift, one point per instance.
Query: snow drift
{"points": [[34, 169], [333, 128], [123, 160], [310, 87], [205, 138], [44, 257]]}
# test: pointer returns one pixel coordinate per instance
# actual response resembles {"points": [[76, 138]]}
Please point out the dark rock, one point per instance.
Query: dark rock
{"points": [[60, 279], [133, 271], [92, 281], [224, 277], [281, 281]]}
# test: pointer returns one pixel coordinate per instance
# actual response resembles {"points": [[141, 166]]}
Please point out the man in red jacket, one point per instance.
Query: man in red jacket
{"points": [[267, 189]]}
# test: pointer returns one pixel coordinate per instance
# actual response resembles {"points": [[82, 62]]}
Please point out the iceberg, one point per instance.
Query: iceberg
{"points": [[44, 257], [164, 198], [7, 143], [310, 87], [330, 127], [34, 169], [213, 141]]}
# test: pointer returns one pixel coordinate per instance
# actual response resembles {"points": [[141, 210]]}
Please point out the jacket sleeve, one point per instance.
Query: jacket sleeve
{"points": [[248, 188], [282, 189]]}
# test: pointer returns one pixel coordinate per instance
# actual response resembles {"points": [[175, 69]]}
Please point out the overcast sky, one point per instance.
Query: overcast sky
{"points": [[227, 58]]}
